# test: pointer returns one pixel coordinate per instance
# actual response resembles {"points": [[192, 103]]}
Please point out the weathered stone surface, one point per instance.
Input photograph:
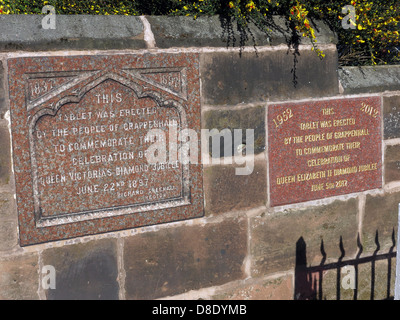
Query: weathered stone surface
{"points": [[226, 191], [230, 79], [280, 288], [7, 206], [369, 79], [274, 237], [364, 284], [5, 156], [19, 278], [380, 222], [176, 260], [84, 271], [392, 163], [25, 32], [8, 222], [384, 279], [391, 113], [8, 235], [249, 118]]}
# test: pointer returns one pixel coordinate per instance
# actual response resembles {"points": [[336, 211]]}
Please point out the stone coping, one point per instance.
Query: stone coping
{"points": [[88, 32], [369, 79]]}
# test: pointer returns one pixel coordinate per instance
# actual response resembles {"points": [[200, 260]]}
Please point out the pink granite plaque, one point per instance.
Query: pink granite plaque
{"points": [[82, 128], [319, 149]]}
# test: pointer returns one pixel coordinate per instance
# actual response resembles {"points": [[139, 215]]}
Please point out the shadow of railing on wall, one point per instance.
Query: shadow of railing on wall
{"points": [[309, 280]]}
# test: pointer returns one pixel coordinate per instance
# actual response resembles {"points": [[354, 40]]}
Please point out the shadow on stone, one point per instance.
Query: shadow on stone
{"points": [[361, 278], [274, 29]]}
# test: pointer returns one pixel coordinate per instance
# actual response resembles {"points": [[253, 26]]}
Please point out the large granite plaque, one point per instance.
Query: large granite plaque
{"points": [[320, 149], [82, 128]]}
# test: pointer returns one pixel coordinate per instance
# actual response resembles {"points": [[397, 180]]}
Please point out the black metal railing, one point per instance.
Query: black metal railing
{"points": [[309, 279]]}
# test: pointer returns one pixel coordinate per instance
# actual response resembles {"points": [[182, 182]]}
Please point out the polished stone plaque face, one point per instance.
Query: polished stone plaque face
{"points": [[319, 149], [84, 128]]}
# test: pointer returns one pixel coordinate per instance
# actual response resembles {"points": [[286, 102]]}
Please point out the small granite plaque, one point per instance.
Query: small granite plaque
{"points": [[320, 149], [82, 129]]}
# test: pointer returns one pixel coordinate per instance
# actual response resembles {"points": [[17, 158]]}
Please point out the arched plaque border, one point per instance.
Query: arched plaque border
{"points": [[75, 96]]}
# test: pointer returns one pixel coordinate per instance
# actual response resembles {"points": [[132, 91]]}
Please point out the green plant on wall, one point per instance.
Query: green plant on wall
{"points": [[373, 39], [372, 35]]}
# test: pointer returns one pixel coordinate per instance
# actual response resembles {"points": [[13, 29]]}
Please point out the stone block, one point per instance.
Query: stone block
{"points": [[231, 79], [25, 32], [392, 163], [391, 114], [86, 271], [380, 222], [226, 191], [274, 238], [19, 278], [249, 118], [177, 260]]}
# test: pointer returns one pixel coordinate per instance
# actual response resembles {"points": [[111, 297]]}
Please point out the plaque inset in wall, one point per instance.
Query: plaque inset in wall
{"points": [[84, 129], [326, 148]]}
